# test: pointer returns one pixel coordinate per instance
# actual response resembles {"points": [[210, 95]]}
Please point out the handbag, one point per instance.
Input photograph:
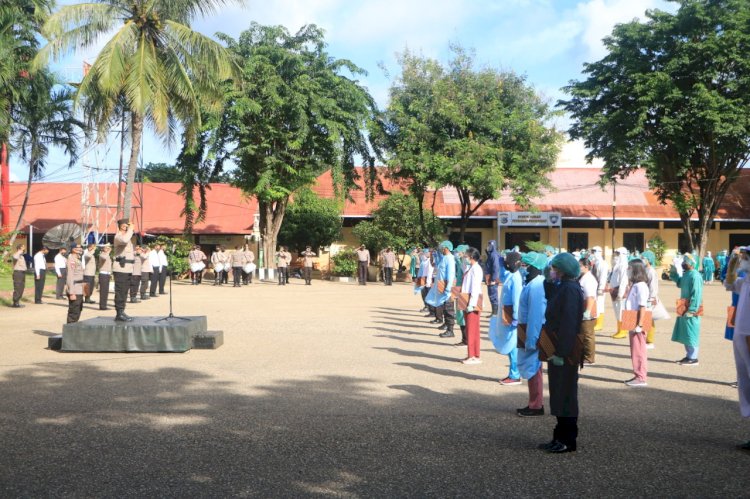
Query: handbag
{"points": [[682, 307], [659, 312], [630, 320]]}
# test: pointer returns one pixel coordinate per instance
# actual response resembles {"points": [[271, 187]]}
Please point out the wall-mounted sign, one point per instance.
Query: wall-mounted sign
{"points": [[529, 219]]}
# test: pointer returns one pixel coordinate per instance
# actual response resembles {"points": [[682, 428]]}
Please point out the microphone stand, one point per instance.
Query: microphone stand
{"points": [[171, 314]]}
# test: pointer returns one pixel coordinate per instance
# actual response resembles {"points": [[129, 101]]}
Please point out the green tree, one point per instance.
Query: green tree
{"points": [[672, 96], [300, 112], [311, 220], [43, 118], [153, 63], [480, 131]]}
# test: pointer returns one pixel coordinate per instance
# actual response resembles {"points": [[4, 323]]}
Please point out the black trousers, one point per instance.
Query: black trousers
{"points": [[237, 276], [563, 397], [135, 284], [247, 277], [362, 272], [225, 277], [19, 284], [91, 280], [104, 280], [282, 271], [446, 312], [163, 279], [219, 277], [424, 292], [307, 274], [39, 286], [145, 278], [155, 280], [388, 275], [122, 284], [74, 308], [566, 431], [60, 285]]}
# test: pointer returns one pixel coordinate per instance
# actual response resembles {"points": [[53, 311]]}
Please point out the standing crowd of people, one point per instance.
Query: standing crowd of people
{"points": [[547, 307]]}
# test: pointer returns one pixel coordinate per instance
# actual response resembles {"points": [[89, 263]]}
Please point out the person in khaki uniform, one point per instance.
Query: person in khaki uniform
{"points": [[237, 259], [105, 275], [389, 261], [74, 283], [135, 277], [219, 261], [19, 276], [289, 260], [89, 271], [307, 266], [247, 277], [282, 264], [124, 257], [363, 261], [145, 271]]}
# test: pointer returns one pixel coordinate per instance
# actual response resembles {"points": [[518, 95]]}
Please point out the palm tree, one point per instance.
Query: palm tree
{"points": [[43, 118], [162, 69]]}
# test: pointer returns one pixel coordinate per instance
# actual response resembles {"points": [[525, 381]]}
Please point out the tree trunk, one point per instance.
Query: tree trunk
{"points": [[135, 150], [271, 217], [687, 229], [23, 206]]}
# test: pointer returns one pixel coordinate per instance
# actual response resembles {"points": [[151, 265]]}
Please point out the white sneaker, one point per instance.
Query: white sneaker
{"points": [[650, 346], [471, 361], [636, 383]]}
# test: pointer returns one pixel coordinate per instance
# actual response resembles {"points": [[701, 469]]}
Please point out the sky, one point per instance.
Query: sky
{"points": [[548, 41]]}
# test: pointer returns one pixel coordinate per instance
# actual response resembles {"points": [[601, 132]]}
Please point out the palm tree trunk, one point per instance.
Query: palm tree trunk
{"points": [[135, 150], [23, 206]]}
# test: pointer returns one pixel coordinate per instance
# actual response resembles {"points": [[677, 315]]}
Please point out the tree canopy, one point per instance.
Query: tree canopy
{"points": [[311, 221], [299, 112], [672, 96], [479, 131]]}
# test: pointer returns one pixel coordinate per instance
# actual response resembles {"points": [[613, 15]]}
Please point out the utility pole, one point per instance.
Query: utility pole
{"points": [[614, 211], [4, 189]]}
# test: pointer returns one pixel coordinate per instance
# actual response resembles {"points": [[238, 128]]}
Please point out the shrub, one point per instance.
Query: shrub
{"points": [[345, 263]]}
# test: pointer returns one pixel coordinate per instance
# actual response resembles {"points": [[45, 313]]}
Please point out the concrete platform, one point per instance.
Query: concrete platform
{"points": [[143, 334]]}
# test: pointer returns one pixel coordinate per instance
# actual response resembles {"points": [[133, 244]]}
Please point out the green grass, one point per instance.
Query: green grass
{"points": [[6, 288]]}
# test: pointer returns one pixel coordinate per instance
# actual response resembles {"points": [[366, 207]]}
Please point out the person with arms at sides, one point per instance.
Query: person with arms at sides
{"points": [[493, 274], [19, 276], [637, 299], [510, 299], [237, 260], [687, 327], [40, 273], [472, 286], [444, 281], [135, 277], [563, 322], [389, 261], [590, 287], [247, 277], [709, 268], [649, 260], [363, 262], [618, 284], [146, 270], [105, 274], [153, 258], [61, 270], [600, 270], [89, 271], [531, 310], [164, 264], [74, 282]]}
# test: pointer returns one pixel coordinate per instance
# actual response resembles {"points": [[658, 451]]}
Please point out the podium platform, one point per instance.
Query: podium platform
{"points": [[143, 334]]}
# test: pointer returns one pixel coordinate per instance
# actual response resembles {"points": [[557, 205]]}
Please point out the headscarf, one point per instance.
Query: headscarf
{"points": [[512, 261], [566, 263], [650, 256], [446, 244]]}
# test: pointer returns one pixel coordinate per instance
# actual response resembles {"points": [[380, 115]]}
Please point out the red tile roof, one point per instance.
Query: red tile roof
{"points": [[576, 194]]}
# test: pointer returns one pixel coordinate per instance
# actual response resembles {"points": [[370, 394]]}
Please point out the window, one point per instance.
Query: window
{"points": [[738, 240], [683, 245], [473, 239], [519, 239], [578, 241], [633, 241]]}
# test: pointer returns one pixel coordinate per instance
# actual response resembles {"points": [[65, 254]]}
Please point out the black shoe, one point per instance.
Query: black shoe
{"points": [[103, 308], [121, 317], [745, 446], [153, 295], [688, 362], [38, 302], [548, 445], [527, 412], [447, 334], [162, 293], [435, 321], [443, 326], [17, 305], [559, 448], [89, 301], [145, 297]]}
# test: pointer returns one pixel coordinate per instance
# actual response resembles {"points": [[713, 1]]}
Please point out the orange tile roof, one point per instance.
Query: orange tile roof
{"points": [[576, 194]]}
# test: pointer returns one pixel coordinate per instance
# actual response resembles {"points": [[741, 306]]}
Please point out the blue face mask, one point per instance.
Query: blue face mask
{"points": [[524, 272]]}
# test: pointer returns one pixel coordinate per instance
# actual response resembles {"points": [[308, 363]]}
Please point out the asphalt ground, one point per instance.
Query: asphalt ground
{"points": [[339, 390]]}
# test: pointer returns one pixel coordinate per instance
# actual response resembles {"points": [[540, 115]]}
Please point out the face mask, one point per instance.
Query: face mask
{"points": [[524, 272], [467, 261]]}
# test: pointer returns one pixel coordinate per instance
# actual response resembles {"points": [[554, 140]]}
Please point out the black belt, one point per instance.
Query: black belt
{"points": [[128, 261], [78, 282]]}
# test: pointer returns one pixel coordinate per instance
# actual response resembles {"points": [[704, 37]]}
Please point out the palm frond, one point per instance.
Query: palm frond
{"points": [[184, 11]]}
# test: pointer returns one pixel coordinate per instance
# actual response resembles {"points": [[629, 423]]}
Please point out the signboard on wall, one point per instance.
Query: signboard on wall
{"points": [[529, 219], [215, 239]]}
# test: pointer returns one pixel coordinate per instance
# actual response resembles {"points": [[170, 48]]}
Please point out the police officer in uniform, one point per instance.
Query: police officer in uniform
{"points": [[74, 281], [89, 271], [105, 274], [19, 276], [307, 267], [135, 277], [124, 257]]}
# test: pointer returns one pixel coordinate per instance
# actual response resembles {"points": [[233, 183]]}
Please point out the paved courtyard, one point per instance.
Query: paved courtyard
{"points": [[338, 390]]}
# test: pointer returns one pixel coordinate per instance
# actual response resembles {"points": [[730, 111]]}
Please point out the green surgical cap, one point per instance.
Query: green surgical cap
{"points": [[535, 260], [566, 263], [447, 244], [461, 248], [650, 256], [689, 258]]}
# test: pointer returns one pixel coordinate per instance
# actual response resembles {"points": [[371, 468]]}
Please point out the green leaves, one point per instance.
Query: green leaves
{"points": [[311, 220]]}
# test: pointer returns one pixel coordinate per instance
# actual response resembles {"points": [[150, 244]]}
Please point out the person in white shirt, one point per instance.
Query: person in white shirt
{"points": [[600, 270], [472, 285], [637, 299], [649, 259], [590, 287], [153, 258], [61, 269], [40, 271], [618, 284], [164, 263]]}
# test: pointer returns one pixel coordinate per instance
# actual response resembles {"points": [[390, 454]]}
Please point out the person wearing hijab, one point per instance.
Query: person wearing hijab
{"points": [[461, 269], [494, 274], [709, 268], [600, 270], [740, 285], [425, 271], [618, 284], [508, 321], [563, 324], [687, 327], [445, 280], [472, 286], [637, 300], [531, 309], [589, 285]]}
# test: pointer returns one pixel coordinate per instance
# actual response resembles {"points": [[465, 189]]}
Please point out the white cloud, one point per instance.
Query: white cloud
{"points": [[573, 155]]}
